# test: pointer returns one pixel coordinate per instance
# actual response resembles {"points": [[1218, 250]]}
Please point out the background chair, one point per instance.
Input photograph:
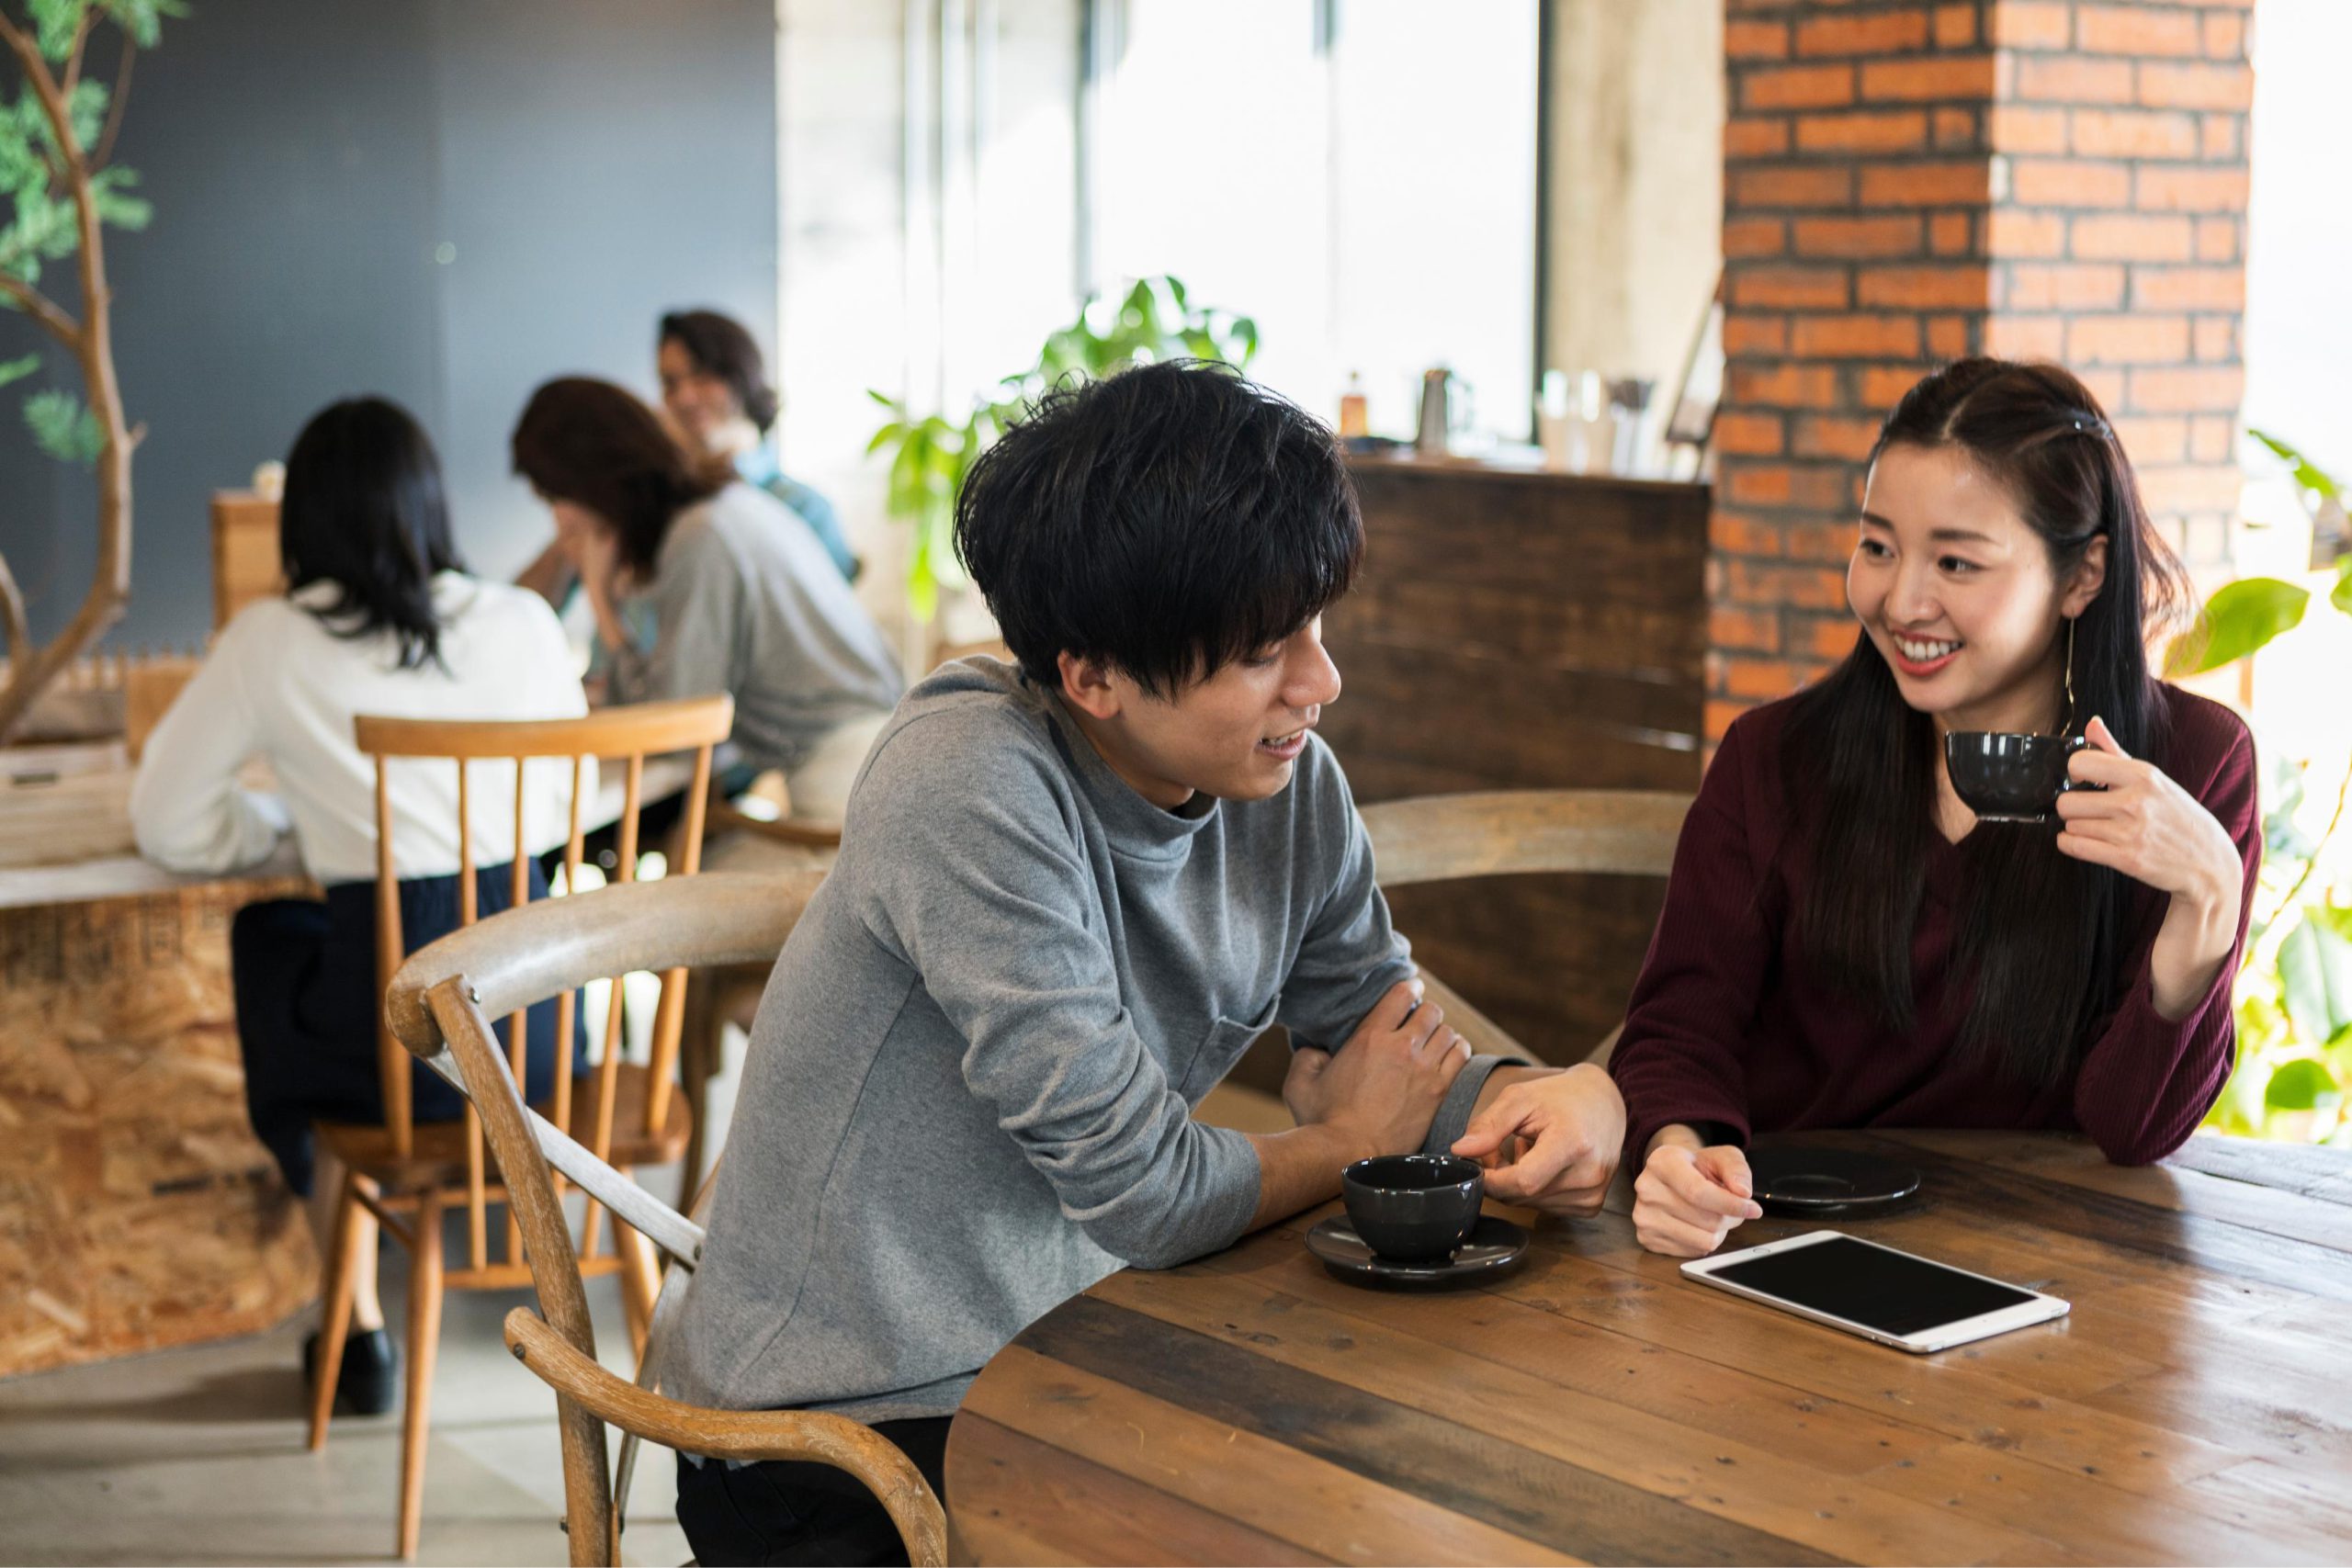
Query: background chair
{"points": [[406, 1176], [1441, 837], [440, 1005]]}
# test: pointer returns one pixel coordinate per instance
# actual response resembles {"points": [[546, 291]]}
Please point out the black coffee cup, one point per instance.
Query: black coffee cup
{"points": [[2009, 778], [1413, 1208]]}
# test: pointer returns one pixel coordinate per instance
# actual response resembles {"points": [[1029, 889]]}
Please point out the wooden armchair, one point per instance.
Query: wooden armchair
{"points": [[440, 1006], [1441, 837], [404, 1175]]}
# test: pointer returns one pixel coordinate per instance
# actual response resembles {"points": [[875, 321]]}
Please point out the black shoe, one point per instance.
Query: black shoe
{"points": [[370, 1373]]}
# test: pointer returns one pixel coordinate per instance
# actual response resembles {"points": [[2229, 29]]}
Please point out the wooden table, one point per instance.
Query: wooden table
{"points": [[2195, 1408], [136, 1210]]}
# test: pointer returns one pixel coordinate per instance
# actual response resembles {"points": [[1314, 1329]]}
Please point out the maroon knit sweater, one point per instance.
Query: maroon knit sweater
{"points": [[1726, 1025]]}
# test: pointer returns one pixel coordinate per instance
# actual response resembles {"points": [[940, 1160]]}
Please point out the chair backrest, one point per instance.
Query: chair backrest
{"points": [[1441, 837], [440, 1006], [629, 735], [1438, 837]]}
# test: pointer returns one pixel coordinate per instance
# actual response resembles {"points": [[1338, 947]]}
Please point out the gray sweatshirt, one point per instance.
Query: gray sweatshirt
{"points": [[969, 1088], [746, 601]]}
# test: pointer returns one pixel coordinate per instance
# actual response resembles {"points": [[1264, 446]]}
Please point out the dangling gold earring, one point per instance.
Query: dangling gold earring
{"points": [[2068, 727]]}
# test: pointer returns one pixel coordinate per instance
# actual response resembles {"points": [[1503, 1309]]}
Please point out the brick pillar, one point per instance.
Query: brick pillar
{"points": [[1907, 183]]}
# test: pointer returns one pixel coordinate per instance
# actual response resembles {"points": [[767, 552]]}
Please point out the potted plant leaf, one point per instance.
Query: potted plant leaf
{"points": [[1154, 320], [2294, 988]]}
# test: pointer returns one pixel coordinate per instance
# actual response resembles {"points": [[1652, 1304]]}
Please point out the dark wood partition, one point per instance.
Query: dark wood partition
{"points": [[1521, 629]]}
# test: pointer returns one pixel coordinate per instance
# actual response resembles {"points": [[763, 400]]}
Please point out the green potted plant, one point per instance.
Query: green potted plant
{"points": [[1154, 320], [2294, 988], [57, 136]]}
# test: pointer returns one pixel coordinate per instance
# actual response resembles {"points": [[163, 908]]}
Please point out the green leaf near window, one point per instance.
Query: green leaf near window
{"points": [[1154, 320], [2342, 597], [2304, 1083], [2308, 474], [2241, 619], [2315, 975]]}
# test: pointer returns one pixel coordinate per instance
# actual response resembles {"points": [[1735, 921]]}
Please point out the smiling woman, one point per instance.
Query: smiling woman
{"points": [[1846, 945]]}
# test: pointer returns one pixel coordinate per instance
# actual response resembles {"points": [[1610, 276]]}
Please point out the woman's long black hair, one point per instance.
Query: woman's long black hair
{"points": [[2037, 936], [365, 510]]}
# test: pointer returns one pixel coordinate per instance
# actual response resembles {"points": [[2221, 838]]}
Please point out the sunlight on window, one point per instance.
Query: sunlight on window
{"points": [[1368, 196]]}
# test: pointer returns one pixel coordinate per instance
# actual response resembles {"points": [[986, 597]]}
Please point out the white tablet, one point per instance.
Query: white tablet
{"points": [[1875, 1291]]}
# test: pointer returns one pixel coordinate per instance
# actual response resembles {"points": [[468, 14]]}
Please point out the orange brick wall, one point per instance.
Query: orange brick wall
{"points": [[1907, 183]]}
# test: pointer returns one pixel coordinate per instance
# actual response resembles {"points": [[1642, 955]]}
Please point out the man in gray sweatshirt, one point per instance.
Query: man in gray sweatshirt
{"points": [[1070, 894]]}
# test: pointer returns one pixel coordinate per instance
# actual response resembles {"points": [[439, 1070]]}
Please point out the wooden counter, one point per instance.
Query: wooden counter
{"points": [[1519, 629]]}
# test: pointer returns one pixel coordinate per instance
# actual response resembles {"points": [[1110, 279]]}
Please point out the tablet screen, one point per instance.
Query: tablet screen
{"points": [[1891, 1291]]}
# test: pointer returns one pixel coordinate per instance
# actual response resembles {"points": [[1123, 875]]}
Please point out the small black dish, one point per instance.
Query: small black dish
{"points": [[1495, 1249], [1804, 1182], [1413, 1208]]}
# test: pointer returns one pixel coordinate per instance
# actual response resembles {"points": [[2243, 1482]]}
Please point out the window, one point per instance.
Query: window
{"points": [[1359, 175]]}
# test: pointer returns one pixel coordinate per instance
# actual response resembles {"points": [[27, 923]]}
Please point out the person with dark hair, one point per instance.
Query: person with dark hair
{"points": [[380, 617], [740, 597], [715, 389], [1070, 894], [1844, 945]]}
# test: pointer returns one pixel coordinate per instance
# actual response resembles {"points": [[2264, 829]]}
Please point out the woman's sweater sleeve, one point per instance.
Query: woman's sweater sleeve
{"points": [[2147, 1081], [1680, 1057]]}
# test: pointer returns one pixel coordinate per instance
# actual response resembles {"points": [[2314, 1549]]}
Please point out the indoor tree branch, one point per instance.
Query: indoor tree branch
{"points": [[99, 159], [44, 310], [93, 345], [11, 618], [74, 55]]}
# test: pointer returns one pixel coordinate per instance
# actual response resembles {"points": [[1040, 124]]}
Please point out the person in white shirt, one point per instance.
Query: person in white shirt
{"points": [[380, 617]]}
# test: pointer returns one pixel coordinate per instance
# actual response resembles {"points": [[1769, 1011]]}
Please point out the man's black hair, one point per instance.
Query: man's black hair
{"points": [[1166, 521]]}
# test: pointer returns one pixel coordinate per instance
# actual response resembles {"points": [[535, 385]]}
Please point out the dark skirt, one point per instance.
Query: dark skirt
{"points": [[305, 976]]}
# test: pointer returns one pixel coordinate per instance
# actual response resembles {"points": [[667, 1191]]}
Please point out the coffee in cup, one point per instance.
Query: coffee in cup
{"points": [[2004, 777], [1413, 1208]]}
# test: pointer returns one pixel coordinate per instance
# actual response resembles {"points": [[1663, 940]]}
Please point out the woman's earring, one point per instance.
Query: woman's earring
{"points": [[2067, 728]]}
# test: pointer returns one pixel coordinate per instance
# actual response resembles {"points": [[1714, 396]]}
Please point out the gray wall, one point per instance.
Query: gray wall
{"points": [[586, 163]]}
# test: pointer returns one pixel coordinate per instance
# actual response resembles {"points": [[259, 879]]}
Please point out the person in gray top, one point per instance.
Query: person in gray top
{"points": [[1070, 894], [702, 583]]}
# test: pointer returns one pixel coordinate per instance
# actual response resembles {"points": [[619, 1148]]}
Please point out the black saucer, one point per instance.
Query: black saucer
{"points": [[1495, 1249], [1804, 1182]]}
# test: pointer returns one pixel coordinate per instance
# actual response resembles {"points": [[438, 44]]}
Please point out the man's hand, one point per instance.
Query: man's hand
{"points": [[1691, 1195], [1549, 1137], [1385, 1085]]}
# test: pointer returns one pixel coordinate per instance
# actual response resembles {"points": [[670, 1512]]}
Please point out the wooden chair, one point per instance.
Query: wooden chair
{"points": [[1441, 837], [440, 1006], [406, 1176]]}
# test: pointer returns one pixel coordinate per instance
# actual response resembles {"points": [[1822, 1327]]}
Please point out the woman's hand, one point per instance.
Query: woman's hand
{"points": [[1549, 1137], [1689, 1196], [594, 553], [2144, 825], [1385, 1085]]}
